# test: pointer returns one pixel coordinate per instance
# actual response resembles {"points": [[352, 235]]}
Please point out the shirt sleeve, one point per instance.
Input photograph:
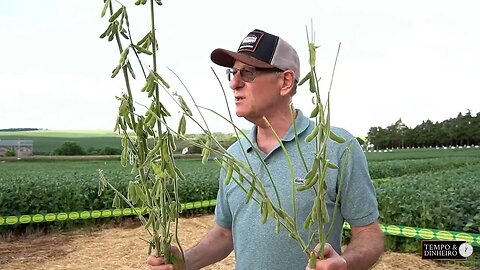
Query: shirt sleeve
{"points": [[359, 204]]}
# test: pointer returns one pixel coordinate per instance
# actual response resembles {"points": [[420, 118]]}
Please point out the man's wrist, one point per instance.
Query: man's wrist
{"points": [[186, 261]]}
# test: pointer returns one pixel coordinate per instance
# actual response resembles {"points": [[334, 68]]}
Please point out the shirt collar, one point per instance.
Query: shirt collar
{"points": [[301, 124]]}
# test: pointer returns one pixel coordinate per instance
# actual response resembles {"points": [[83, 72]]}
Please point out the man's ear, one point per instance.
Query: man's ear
{"points": [[287, 83]]}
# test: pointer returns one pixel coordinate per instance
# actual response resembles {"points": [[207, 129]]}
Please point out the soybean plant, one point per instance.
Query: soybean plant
{"points": [[147, 144], [315, 177]]}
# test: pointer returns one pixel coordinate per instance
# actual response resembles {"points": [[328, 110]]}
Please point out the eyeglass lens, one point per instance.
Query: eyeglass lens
{"points": [[246, 74]]}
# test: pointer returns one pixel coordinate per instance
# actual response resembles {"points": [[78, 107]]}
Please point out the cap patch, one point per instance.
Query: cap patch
{"points": [[250, 42]]}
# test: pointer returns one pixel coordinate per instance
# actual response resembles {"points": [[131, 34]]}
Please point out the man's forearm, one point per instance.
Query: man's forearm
{"points": [[365, 249], [213, 247]]}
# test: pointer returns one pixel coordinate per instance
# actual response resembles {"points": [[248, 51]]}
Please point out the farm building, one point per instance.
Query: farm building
{"points": [[21, 148]]}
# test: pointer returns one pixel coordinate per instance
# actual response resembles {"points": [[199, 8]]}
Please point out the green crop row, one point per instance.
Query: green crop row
{"points": [[439, 193], [446, 200], [441, 200], [394, 168], [414, 199], [422, 153], [44, 187]]}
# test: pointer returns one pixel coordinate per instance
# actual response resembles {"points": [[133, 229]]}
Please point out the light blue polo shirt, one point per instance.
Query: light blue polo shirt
{"points": [[257, 245]]}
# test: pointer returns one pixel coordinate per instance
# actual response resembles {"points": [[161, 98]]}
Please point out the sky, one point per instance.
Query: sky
{"points": [[414, 60]]}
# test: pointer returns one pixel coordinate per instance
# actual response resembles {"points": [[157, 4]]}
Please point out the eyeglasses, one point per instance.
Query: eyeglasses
{"points": [[249, 74]]}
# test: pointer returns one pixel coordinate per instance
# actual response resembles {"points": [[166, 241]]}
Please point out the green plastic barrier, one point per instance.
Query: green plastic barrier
{"points": [[427, 234], [49, 217], [396, 230]]}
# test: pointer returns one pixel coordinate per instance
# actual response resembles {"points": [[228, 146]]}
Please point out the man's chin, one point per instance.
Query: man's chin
{"points": [[240, 114]]}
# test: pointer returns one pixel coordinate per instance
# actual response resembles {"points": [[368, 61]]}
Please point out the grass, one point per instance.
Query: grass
{"points": [[57, 169]]}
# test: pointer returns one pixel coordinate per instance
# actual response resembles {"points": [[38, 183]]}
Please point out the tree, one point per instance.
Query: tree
{"points": [[397, 134], [378, 137], [462, 130], [69, 149], [111, 151]]}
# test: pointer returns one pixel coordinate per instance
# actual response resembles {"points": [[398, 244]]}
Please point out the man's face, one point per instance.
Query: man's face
{"points": [[254, 98]]}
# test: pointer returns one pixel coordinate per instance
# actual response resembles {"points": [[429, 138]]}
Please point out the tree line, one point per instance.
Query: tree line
{"points": [[463, 130]]}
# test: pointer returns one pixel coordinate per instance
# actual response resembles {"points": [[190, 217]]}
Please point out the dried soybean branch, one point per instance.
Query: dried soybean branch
{"points": [[147, 145]]}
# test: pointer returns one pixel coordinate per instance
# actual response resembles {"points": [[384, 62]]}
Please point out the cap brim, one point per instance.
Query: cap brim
{"points": [[227, 58]]}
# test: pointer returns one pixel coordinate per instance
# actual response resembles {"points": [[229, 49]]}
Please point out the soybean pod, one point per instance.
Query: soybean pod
{"points": [[249, 194], [312, 135], [264, 211], [229, 173]]}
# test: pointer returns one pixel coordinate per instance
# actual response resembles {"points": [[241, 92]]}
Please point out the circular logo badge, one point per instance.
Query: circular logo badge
{"points": [[465, 250]]}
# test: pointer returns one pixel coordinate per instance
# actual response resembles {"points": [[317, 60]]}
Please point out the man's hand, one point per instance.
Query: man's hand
{"points": [[213, 247], [331, 260], [158, 263]]}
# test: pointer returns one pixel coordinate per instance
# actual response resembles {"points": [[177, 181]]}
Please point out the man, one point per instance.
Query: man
{"points": [[263, 75]]}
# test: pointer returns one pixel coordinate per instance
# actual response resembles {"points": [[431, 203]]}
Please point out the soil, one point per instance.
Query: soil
{"points": [[122, 247]]}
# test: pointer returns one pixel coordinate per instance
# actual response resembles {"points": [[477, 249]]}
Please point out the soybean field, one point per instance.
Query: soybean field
{"points": [[427, 188]]}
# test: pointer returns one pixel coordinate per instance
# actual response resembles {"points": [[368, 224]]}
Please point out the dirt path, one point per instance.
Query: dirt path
{"points": [[121, 248]]}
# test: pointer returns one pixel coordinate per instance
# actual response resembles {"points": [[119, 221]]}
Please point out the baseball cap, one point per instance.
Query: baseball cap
{"points": [[263, 50]]}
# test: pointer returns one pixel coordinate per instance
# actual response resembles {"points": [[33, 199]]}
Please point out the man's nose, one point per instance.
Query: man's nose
{"points": [[236, 82]]}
